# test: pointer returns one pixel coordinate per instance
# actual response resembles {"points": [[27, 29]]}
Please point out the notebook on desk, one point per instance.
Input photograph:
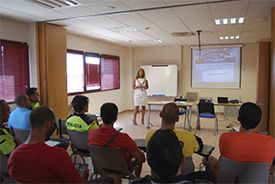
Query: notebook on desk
{"points": [[222, 99]]}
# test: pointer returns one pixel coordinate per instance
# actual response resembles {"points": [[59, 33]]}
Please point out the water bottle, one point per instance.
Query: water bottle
{"points": [[240, 99]]}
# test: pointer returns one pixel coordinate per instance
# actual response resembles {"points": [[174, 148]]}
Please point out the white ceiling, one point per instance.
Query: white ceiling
{"points": [[153, 19]]}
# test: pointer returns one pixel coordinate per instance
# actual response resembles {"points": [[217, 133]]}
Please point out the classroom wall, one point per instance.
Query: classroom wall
{"points": [[121, 97]]}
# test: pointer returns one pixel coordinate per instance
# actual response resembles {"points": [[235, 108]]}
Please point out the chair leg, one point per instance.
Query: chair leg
{"points": [[216, 126], [197, 125], [184, 121]]}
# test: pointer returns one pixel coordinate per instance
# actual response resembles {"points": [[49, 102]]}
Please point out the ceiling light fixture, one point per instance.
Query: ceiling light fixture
{"points": [[122, 29], [226, 21], [229, 37], [241, 20], [54, 3], [153, 41]]}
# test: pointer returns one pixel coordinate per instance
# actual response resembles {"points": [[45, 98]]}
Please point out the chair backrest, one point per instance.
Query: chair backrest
{"points": [[61, 126], [78, 139], [246, 172], [4, 172], [206, 108], [188, 167], [21, 134], [108, 158], [4, 163], [191, 96]]}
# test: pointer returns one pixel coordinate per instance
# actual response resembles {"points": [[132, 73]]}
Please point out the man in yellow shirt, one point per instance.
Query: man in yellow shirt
{"points": [[34, 97], [170, 116], [79, 121]]}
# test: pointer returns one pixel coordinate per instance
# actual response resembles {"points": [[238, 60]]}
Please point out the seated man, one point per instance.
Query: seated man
{"points": [[79, 121], [7, 142], [246, 145], [170, 116], [36, 162], [34, 97], [20, 117], [164, 156], [99, 137]]}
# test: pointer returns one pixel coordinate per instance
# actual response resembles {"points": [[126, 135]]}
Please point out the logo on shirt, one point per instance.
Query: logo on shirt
{"points": [[75, 125]]}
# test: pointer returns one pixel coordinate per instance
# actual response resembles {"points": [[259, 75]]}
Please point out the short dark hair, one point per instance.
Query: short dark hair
{"points": [[40, 115], [31, 91], [250, 115], [2, 102], [108, 112], [164, 153], [20, 98], [78, 102], [170, 112]]}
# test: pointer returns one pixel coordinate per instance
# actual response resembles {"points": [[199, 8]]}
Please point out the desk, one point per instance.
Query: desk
{"points": [[188, 104]]}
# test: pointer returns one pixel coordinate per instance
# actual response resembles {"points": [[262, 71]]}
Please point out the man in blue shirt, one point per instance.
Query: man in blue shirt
{"points": [[20, 117]]}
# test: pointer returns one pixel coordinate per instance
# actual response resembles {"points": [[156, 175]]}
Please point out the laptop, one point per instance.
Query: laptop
{"points": [[222, 99]]}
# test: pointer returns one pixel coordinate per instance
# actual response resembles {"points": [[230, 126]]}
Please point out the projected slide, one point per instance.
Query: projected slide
{"points": [[216, 67]]}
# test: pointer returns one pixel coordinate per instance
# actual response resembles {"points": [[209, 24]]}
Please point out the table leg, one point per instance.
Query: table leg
{"points": [[189, 121], [149, 109]]}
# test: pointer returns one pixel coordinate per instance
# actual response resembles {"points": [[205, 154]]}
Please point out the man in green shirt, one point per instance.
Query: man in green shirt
{"points": [[7, 142], [34, 96], [79, 121]]}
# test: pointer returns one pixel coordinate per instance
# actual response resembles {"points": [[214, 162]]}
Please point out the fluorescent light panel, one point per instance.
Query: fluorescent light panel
{"points": [[54, 3], [229, 37], [153, 41], [122, 29], [226, 21]]}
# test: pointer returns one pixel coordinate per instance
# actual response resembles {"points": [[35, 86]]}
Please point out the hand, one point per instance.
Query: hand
{"points": [[85, 173]]}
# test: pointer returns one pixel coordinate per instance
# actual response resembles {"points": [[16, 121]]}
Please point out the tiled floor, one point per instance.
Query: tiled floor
{"points": [[206, 133]]}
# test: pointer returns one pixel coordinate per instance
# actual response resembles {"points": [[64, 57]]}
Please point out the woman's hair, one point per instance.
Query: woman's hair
{"points": [[137, 76]]}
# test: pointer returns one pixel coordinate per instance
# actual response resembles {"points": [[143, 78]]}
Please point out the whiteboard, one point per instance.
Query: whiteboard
{"points": [[162, 79]]}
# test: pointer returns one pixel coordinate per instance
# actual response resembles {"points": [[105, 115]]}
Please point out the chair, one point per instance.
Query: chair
{"points": [[183, 110], [21, 134], [245, 172], [4, 172], [62, 128], [79, 144], [191, 96], [110, 160], [206, 110]]}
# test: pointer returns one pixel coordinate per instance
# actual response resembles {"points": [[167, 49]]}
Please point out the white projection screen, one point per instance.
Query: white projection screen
{"points": [[216, 67]]}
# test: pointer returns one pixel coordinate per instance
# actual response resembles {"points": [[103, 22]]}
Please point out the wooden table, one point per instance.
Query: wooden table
{"points": [[187, 104]]}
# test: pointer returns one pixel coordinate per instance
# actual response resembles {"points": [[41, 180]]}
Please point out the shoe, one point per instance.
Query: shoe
{"points": [[134, 122], [142, 121]]}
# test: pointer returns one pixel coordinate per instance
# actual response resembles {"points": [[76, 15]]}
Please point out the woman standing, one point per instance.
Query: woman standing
{"points": [[140, 96]]}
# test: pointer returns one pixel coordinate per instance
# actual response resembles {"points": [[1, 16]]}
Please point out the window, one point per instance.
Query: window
{"points": [[75, 72], [14, 69], [110, 78], [92, 63], [88, 72]]}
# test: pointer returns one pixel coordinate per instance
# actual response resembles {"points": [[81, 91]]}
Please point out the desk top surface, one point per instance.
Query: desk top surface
{"points": [[165, 102]]}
